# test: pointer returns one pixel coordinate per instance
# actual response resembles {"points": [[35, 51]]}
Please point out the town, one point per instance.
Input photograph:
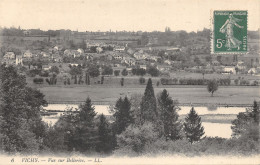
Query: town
{"points": [[74, 57]]}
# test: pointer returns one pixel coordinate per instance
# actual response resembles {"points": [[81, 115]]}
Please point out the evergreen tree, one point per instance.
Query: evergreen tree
{"points": [[104, 136], [148, 104], [84, 133], [169, 117], [123, 117], [192, 126]]}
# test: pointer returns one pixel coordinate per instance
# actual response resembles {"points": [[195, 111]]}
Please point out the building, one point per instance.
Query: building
{"points": [[27, 54], [9, 55], [119, 49], [19, 60], [229, 69], [252, 71], [46, 67], [163, 67], [128, 60], [143, 67]]}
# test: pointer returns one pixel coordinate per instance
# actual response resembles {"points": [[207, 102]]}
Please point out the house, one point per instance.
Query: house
{"points": [[129, 70], [71, 53], [81, 51], [119, 49], [56, 58], [128, 60], [241, 65], [45, 55], [252, 71], [130, 51], [118, 56], [99, 49], [46, 67], [92, 44], [9, 55], [73, 64], [139, 56], [154, 58], [215, 62], [229, 69], [163, 67], [27, 54], [168, 62], [143, 67], [172, 51], [26, 32], [19, 60]]}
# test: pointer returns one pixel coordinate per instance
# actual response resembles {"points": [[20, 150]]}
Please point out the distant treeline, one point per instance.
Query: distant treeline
{"points": [[192, 81]]}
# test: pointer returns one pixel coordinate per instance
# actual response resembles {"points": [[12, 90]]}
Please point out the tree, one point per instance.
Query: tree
{"points": [[192, 126], [124, 72], [247, 123], [93, 71], [87, 79], [212, 86], [136, 138], [153, 71], [122, 81], [197, 60], [167, 109], [85, 135], [102, 80], [148, 104], [116, 72], [219, 59], [141, 80], [209, 58], [55, 69], [21, 126], [75, 70], [122, 115], [107, 70], [75, 79], [104, 136]]}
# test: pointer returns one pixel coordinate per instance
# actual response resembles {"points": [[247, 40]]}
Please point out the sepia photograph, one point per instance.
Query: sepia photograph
{"points": [[129, 82]]}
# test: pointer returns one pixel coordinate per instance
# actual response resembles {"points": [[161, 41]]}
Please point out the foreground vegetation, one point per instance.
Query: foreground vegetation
{"points": [[141, 125]]}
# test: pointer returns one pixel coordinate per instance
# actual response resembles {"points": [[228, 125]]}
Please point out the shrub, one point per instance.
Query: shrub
{"points": [[141, 80], [135, 138], [38, 80]]}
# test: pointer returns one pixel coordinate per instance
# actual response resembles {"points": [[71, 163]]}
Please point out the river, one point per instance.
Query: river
{"points": [[211, 129]]}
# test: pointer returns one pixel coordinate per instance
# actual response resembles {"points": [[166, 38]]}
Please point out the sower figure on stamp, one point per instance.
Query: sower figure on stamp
{"points": [[227, 28]]}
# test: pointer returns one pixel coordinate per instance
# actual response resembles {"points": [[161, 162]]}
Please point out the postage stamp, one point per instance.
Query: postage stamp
{"points": [[229, 32]]}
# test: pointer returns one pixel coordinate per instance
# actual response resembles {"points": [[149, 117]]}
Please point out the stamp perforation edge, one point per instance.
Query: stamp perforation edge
{"points": [[212, 37]]}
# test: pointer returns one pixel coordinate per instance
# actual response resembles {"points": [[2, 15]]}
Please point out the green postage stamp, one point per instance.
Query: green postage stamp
{"points": [[229, 32]]}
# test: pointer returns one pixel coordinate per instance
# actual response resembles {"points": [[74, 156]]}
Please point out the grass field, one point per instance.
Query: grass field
{"points": [[184, 94]]}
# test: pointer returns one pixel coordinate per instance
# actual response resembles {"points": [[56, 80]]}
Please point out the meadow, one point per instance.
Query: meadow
{"points": [[226, 95]]}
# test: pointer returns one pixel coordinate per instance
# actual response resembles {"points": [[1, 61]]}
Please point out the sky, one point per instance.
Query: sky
{"points": [[129, 15]]}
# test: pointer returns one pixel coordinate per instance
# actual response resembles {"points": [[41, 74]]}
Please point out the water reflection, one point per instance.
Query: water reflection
{"points": [[211, 129]]}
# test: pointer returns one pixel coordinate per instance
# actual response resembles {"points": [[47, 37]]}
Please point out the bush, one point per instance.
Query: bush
{"points": [[206, 146], [38, 80], [135, 138], [116, 72], [141, 80], [44, 74]]}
